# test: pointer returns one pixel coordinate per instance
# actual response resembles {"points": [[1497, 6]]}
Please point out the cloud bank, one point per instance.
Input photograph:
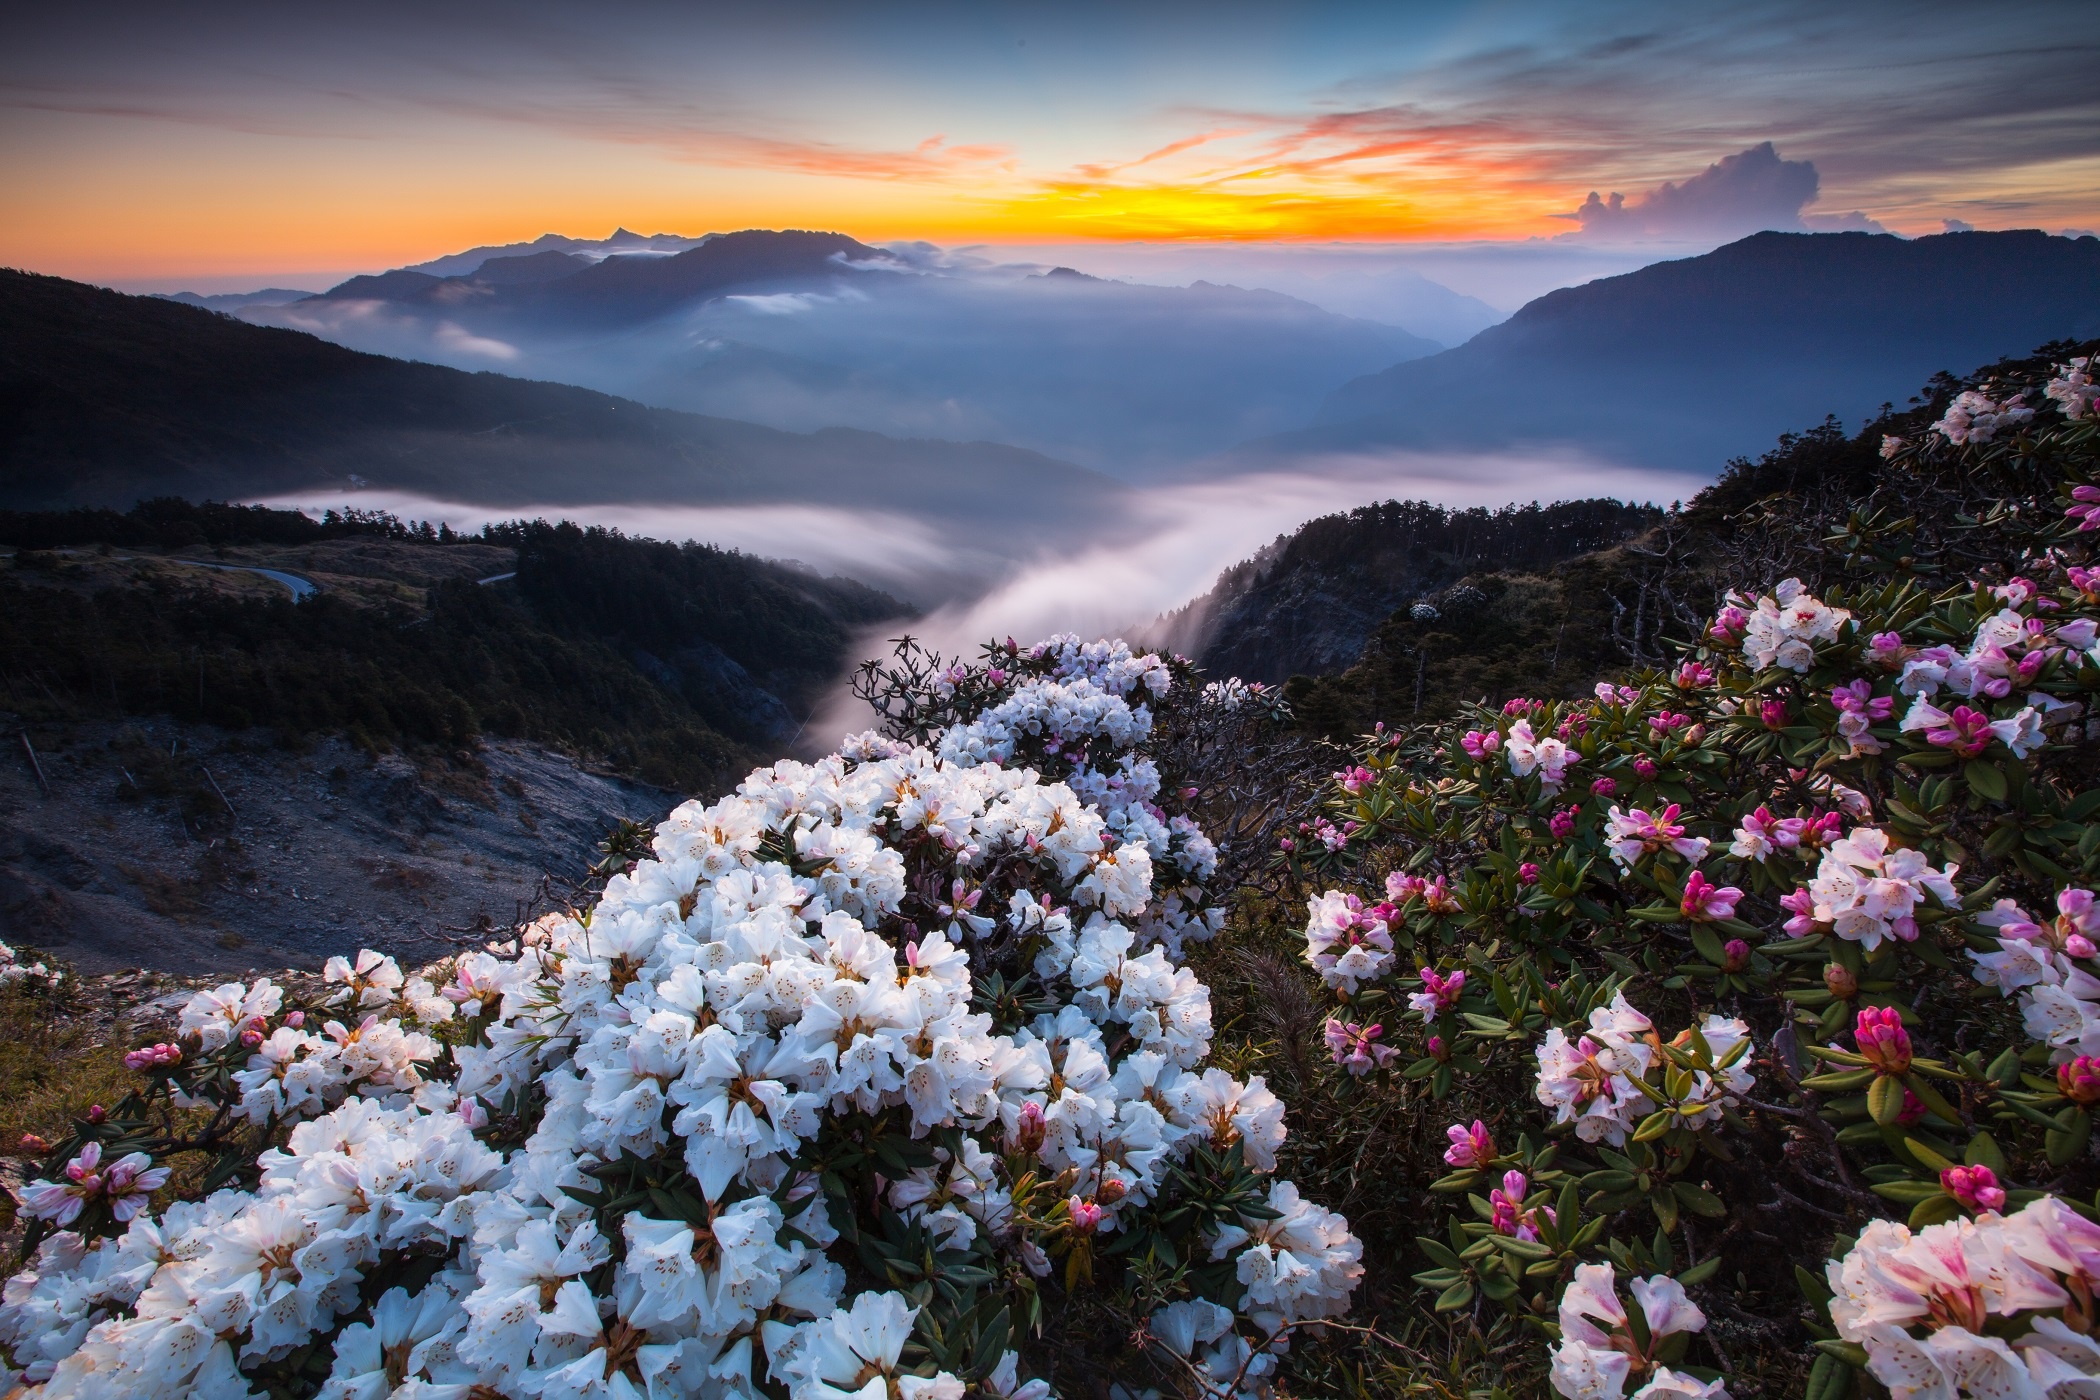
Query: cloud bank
{"points": [[1737, 195]]}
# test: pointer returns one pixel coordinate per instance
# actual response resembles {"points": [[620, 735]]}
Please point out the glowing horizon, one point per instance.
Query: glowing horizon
{"points": [[257, 144]]}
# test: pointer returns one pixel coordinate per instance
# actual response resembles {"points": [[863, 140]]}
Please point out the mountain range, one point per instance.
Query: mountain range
{"points": [[1692, 362], [107, 398], [802, 330]]}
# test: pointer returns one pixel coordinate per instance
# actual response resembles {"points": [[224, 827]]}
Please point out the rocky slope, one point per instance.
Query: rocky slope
{"points": [[185, 849]]}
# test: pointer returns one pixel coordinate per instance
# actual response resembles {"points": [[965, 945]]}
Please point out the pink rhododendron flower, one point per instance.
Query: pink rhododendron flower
{"points": [[1439, 993], [2087, 510], [1693, 675], [124, 1185], [1506, 1204], [1085, 1214], [1704, 902], [1882, 1040], [1975, 1187], [1355, 781], [1802, 905], [1668, 721], [1479, 743], [1354, 1047], [1729, 626], [1470, 1147], [1635, 834]]}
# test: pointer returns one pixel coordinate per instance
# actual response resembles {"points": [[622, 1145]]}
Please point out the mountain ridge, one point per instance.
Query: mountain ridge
{"points": [[1708, 357], [105, 398]]}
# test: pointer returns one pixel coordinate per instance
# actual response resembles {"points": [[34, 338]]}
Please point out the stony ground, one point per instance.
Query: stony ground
{"points": [[184, 850]]}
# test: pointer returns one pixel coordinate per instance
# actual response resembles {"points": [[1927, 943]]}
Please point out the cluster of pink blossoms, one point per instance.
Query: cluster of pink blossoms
{"points": [[1761, 834], [1632, 835], [125, 1186]]}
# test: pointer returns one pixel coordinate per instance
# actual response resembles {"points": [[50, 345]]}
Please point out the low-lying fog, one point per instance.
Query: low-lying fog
{"points": [[1166, 547]]}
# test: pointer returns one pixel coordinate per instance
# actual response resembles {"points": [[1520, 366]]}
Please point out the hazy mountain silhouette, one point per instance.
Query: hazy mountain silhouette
{"points": [[107, 398], [802, 330], [228, 301], [621, 241], [1692, 362], [618, 290]]}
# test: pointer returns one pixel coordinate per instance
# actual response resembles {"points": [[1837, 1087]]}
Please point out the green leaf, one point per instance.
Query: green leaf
{"points": [[1885, 1099], [1701, 1271], [1986, 779], [1906, 1192], [1709, 945], [1927, 1156], [1984, 1151], [1699, 1200], [1455, 1297]]}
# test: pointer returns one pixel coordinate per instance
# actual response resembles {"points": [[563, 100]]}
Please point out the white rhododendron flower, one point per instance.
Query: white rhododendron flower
{"points": [[1962, 1307], [1784, 627], [796, 957]]}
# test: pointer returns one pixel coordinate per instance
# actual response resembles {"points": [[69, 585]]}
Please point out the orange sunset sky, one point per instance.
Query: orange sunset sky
{"points": [[148, 145]]}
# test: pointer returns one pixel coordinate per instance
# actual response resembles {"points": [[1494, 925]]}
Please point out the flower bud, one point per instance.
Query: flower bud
{"points": [[2079, 1081], [1976, 1188], [1645, 767], [1085, 1215], [1031, 1130], [1111, 1191], [1843, 984], [1470, 1147], [33, 1145], [1736, 955], [1436, 1049], [1882, 1040], [1528, 873], [97, 1113]]}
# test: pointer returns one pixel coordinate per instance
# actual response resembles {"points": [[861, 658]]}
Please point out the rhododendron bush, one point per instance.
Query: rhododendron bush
{"points": [[872, 1073], [1731, 1029], [1767, 984]]}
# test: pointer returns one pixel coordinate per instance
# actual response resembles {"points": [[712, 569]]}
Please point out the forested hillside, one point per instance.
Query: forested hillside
{"points": [[679, 663]]}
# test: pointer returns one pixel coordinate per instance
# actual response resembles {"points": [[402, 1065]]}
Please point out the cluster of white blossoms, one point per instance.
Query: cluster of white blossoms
{"points": [[1867, 891], [1549, 757], [1976, 417], [1600, 1353], [177, 1304], [797, 956], [13, 969], [2073, 388], [1992, 1306], [1783, 627], [2041, 962], [1609, 1078]]}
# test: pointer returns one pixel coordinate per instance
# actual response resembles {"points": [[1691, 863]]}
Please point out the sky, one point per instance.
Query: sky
{"points": [[168, 142]]}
